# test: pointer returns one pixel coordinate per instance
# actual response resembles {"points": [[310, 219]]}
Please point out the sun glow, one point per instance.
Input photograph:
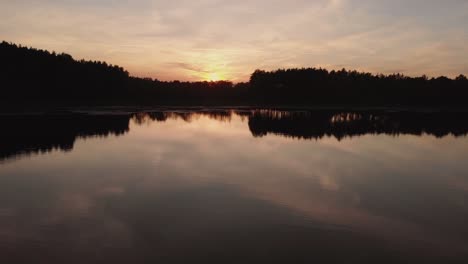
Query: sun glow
{"points": [[214, 76]]}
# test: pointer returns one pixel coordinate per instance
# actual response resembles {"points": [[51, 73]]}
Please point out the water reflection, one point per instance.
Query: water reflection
{"points": [[338, 124], [30, 134], [41, 133], [196, 186]]}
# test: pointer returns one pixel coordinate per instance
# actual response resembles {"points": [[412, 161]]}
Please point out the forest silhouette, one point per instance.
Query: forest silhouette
{"points": [[37, 78], [29, 134]]}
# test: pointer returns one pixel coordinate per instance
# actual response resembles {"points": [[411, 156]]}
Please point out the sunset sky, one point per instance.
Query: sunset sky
{"points": [[221, 39]]}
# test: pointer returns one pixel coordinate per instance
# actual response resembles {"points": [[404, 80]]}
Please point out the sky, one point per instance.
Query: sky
{"points": [[225, 39]]}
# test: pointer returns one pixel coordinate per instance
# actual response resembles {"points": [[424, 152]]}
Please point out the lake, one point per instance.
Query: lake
{"points": [[234, 186]]}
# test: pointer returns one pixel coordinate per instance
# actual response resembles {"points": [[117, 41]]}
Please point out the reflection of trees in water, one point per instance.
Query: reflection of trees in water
{"points": [[339, 124], [187, 116], [34, 134], [320, 123], [31, 134]]}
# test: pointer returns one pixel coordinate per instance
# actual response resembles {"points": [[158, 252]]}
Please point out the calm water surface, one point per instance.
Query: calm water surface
{"points": [[226, 186]]}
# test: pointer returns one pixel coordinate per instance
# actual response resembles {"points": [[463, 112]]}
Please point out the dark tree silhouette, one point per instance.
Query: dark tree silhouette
{"points": [[31, 77], [313, 86]]}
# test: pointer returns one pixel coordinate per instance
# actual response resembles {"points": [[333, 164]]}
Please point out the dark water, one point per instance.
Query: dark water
{"points": [[234, 186]]}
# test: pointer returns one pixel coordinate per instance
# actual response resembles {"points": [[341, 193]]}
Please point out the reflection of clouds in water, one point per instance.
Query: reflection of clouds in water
{"points": [[281, 162], [168, 169], [328, 183], [112, 190]]}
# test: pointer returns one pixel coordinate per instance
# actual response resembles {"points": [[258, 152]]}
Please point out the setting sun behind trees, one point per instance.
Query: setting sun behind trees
{"points": [[214, 76]]}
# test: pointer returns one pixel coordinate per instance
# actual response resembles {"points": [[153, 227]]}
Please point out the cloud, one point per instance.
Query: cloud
{"points": [[187, 66], [237, 37]]}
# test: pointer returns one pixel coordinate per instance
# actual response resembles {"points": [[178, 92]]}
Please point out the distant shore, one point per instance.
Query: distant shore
{"points": [[32, 78]]}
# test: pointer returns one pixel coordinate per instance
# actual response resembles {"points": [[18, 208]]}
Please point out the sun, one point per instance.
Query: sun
{"points": [[214, 76]]}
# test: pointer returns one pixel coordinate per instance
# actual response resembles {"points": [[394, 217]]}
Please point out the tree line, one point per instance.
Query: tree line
{"points": [[36, 77], [308, 86]]}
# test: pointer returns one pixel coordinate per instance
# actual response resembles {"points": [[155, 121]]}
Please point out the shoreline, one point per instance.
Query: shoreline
{"points": [[202, 108]]}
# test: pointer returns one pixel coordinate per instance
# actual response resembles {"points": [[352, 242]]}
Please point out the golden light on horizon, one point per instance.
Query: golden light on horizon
{"points": [[214, 76], [210, 65]]}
